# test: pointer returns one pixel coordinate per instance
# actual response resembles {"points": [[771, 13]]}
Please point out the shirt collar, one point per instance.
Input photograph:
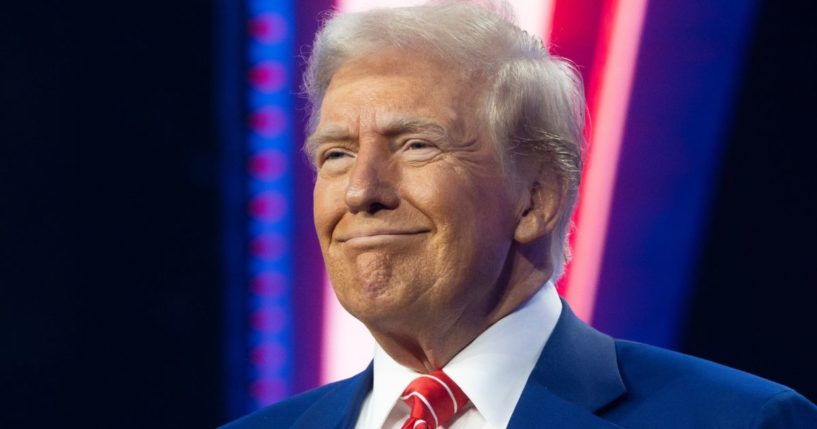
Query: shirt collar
{"points": [[492, 370], [390, 379]]}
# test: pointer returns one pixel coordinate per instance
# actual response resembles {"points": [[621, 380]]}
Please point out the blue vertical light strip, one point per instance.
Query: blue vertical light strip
{"points": [[229, 85], [270, 151], [681, 106]]}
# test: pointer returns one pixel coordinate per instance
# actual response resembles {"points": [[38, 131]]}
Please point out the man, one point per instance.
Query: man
{"points": [[447, 145]]}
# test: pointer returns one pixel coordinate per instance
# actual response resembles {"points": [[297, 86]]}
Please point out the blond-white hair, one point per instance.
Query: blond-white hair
{"points": [[533, 103]]}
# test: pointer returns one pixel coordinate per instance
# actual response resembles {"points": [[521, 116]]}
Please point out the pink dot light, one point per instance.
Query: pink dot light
{"points": [[268, 76], [271, 356], [268, 247], [268, 121], [268, 390], [267, 165], [268, 28], [271, 319], [269, 284], [269, 206]]}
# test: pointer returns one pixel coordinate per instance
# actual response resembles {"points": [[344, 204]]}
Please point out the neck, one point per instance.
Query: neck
{"points": [[432, 342]]}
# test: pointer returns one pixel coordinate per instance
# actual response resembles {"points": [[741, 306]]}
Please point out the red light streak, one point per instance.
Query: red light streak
{"points": [[608, 100]]}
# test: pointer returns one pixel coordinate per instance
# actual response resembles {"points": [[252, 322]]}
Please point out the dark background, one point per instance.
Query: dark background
{"points": [[755, 300], [110, 215]]}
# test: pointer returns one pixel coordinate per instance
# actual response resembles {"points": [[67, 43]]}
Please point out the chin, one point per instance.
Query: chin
{"points": [[371, 312], [371, 302]]}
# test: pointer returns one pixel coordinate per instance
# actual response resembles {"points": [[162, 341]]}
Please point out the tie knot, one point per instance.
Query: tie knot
{"points": [[434, 399]]}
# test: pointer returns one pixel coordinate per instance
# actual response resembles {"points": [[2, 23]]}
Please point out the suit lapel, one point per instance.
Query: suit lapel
{"points": [[576, 375], [340, 407]]}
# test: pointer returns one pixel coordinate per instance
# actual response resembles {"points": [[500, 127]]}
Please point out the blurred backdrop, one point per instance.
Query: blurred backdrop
{"points": [[158, 264]]}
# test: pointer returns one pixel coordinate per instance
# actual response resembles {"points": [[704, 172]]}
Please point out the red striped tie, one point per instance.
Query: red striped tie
{"points": [[434, 399]]}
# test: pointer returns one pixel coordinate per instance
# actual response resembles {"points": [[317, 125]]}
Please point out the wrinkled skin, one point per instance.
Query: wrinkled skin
{"points": [[427, 239]]}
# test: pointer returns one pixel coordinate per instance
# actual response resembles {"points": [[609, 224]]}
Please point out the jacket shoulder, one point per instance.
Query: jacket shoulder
{"points": [[670, 386], [284, 413]]}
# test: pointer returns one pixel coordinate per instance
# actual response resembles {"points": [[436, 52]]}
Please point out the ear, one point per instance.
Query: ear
{"points": [[542, 204]]}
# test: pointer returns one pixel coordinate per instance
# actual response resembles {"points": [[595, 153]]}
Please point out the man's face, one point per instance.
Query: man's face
{"points": [[413, 210]]}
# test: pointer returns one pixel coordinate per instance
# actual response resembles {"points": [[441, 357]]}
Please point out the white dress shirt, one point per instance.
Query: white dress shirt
{"points": [[492, 370]]}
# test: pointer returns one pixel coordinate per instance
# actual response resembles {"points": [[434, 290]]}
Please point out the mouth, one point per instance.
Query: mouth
{"points": [[379, 236]]}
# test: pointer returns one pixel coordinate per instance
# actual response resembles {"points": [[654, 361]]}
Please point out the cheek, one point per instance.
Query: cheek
{"points": [[328, 206], [465, 202], [476, 217], [453, 208]]}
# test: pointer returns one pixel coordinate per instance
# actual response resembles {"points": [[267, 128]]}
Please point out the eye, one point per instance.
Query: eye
{"points": [[334, 159], [334, 154], [417, 150], [418, 144]]}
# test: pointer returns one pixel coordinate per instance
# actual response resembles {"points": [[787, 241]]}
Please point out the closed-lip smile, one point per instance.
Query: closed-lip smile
{"points": [[379, 233]]}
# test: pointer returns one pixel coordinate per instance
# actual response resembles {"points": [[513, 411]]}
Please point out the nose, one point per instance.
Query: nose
{"points": [[371, 186]]}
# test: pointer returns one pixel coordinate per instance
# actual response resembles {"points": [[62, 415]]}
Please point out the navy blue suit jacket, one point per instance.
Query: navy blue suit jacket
{"points": [[585, 379]]}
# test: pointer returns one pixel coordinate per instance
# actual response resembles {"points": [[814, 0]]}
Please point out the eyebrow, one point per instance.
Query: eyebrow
{"points": [[392, 128], [401, 126], [332, 133]]}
